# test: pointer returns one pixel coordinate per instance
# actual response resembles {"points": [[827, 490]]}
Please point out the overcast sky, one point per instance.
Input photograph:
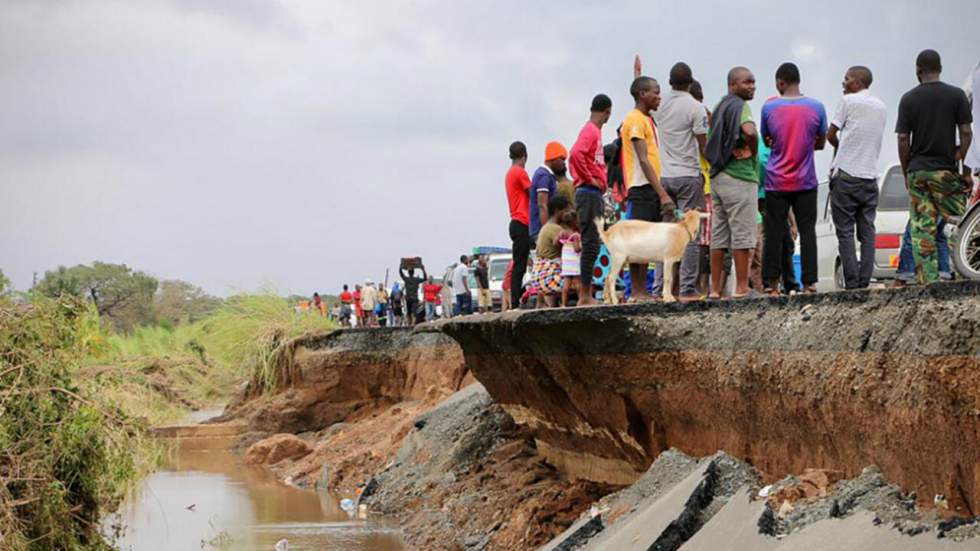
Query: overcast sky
{"points": [[304, 144]]}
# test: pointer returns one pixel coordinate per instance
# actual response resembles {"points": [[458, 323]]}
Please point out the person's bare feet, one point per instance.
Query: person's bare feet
{"points": [[586, 300], [685, 299]]}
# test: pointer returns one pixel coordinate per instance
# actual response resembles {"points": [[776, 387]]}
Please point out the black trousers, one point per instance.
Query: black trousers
{"points": [[778, 205], [787, 252], [520, 251], [588, 204], [854, 202]]}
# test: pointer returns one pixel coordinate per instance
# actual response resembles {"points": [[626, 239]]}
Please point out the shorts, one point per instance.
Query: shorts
{"points": [[643, 203], [735, 204], [483, 298], [546, 276]]}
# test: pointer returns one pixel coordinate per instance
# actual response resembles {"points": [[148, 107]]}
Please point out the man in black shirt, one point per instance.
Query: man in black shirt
{"points": [[928, 118], [484, 300], [412, 292]]}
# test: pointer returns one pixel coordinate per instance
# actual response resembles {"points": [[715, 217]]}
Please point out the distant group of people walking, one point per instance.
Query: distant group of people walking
{"points": [[756, 177], [371, 305]]}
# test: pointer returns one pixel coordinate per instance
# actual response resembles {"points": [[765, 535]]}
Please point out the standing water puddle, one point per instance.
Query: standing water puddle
{"points": [[205, 498]]}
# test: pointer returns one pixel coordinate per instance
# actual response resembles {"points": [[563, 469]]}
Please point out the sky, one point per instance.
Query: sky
{"points": [[298, 145]]}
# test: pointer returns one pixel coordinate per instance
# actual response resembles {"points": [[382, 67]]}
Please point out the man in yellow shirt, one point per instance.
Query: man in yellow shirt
{"points": [[645, 196]]}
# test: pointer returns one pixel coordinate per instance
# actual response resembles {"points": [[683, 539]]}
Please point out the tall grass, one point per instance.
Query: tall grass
{"points": [[242, 339]]}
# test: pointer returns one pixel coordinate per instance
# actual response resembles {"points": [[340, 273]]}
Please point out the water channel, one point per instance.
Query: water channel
{"points": [[203, 497]]}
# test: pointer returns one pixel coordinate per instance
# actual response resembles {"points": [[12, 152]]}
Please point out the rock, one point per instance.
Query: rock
{"points": [[277, 448], [785, 509]]}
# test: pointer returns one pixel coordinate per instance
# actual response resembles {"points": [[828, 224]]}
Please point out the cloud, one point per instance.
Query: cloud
{"points": [[311, 143]]}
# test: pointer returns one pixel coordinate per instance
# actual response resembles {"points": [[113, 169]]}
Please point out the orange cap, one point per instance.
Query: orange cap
{"points": [[554, 150]]}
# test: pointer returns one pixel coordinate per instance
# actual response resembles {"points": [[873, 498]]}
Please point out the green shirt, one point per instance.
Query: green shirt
{"points": [[547, 248], [746, 170]]}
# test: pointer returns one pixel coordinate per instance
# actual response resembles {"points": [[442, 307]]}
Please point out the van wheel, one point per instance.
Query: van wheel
{"points": [[966, 249]]}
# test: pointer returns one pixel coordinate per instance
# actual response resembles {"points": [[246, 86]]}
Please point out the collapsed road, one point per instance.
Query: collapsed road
{"points": [[837, 380], [861, 408]]}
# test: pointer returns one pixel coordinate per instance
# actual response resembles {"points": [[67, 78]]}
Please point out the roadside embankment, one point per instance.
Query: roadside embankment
{"points": [[833, 381], [326, 378], [391, 416]]}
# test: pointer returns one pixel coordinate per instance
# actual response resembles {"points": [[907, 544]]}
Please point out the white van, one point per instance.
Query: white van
{"points": [[890, 221]]}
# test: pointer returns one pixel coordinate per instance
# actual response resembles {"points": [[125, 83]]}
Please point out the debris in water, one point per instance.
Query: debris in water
{"points": [[347, 505]]}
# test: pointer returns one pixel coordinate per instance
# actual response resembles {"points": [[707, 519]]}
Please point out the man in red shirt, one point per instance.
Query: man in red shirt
{"points": [[517, 183], [430, 294], [346, 299], [588, 167]]}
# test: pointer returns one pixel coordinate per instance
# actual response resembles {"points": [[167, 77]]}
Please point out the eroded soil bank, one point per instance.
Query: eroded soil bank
{"points": [[835, 381], [392, 417], [548, 428]]}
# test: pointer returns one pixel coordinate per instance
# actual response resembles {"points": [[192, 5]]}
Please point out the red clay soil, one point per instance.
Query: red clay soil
{"points": [[327, 378]]}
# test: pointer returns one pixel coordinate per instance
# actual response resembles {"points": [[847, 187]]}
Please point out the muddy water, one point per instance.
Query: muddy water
{"points": [[204, 498]]}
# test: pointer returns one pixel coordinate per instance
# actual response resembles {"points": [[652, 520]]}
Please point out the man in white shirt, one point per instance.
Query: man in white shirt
{"points": [[855, 132], [973, 157], [682, 124], [461, 287], [369, 299]]}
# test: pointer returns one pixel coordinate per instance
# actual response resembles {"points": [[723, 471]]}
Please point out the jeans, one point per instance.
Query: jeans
{"points": [[804, 205], [588, 205], [854, 202], [430, 311], [464, 304], [521, 250], [688, 194], [906, 261]]}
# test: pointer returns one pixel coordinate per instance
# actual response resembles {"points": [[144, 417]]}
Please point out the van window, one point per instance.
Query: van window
{"points": [[498, 269], [893, 196]]}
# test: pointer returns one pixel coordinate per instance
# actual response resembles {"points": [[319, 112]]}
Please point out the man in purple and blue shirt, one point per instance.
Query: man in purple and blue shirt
{"points": [[794, 126]]}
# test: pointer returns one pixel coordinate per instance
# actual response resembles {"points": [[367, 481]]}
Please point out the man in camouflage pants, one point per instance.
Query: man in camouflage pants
{"points": [[929, 116]]}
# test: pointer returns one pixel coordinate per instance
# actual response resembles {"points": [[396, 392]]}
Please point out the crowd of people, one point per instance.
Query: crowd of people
{"points": [[374, 305], [756, 177]]}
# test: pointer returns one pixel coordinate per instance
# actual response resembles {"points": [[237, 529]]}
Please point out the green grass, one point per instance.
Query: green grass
{"points": [[202, 362]]}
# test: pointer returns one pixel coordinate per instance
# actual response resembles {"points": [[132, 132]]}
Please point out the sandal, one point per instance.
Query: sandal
{"points": [[810, 289], [771, 292]]}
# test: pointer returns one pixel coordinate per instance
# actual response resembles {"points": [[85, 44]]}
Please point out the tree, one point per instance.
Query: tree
{"points": [[121, 295], [178, 301], [4, 284]]}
